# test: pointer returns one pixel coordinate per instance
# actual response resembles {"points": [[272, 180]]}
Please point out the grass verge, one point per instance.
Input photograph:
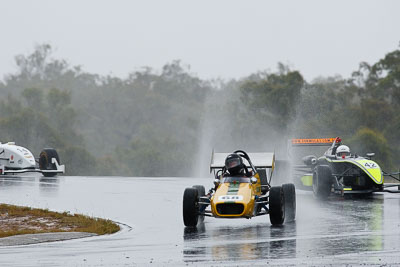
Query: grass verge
{"points": [[15, 220]]}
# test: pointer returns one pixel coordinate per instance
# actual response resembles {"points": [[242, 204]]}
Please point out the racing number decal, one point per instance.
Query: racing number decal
{"points": [[230, 198], [370, 165]]}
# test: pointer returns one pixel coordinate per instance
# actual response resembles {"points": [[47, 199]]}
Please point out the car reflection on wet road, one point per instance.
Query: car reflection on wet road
{"points": [[338, 231]]}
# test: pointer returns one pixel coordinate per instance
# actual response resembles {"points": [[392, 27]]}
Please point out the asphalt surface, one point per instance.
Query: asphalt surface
{"points": [[336, 232]]}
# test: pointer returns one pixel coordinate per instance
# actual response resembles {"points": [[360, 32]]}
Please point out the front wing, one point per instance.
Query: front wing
{"points": [[59, 169]]}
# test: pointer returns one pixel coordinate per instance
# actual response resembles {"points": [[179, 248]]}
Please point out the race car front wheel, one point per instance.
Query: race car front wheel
{"points": [[276, 205], [322, 181], [289, 191], [46, 161], [190, 207], [201, 191]]}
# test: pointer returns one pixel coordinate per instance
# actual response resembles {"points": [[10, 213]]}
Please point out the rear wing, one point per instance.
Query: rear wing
{"points": [[307, 144], [312, 141], [300, 147]]}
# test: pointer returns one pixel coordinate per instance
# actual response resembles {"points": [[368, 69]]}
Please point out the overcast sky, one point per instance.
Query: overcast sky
{"points": [[218, 38]]}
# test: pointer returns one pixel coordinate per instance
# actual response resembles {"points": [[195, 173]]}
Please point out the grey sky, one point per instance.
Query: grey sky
{"points": [[228, 39]]}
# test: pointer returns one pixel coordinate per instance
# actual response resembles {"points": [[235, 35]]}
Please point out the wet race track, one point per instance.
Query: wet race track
{"points": [[334, 232]]}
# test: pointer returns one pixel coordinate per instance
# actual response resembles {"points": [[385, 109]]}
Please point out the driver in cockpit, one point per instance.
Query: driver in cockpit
{"points": [[342, 152], [235, 166]]}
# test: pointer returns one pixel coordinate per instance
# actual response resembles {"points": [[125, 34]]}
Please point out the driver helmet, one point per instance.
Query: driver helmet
{"points": [[234, 164], [343, 151]]}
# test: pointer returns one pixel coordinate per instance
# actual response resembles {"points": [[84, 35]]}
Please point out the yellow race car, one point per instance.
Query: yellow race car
{"points": [[242, 194]]}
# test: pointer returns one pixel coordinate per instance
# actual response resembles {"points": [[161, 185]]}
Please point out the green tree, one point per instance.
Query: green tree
{"points": [[367, 140], [33, 98], [274, 98]]}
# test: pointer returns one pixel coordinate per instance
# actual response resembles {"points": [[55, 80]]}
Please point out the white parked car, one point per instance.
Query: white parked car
{"points": [[17, 159]]}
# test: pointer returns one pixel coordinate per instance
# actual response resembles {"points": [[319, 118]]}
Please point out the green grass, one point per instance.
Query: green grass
{"points": [[32, 221]]}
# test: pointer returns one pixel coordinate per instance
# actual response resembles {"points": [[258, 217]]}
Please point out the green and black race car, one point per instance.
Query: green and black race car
{"points": [[338, 171]]}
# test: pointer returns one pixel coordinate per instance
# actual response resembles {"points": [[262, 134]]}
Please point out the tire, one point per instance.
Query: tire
{"points": [[190, 207], [322, 181], [276, 205], [201, 193], [200, 189], [289, 191], [45, 161]]}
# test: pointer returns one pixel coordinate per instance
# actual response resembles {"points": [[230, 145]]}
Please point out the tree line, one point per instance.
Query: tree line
{"points": [[165, 122]]}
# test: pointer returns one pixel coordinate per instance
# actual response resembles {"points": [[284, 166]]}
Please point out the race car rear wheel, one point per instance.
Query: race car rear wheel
{"points": [[322, 181], [201, 193], [289, 191], [276, 205], [45, 161], [190, 207]]}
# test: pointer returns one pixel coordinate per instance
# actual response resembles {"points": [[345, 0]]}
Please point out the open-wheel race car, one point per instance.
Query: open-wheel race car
{"points": [[241, 190], [16, 159], [340, 172]]}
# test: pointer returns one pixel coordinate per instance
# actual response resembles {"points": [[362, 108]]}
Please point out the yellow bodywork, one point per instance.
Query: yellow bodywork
{"points": [[238, 193], [307, 180], [370, 167]]}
